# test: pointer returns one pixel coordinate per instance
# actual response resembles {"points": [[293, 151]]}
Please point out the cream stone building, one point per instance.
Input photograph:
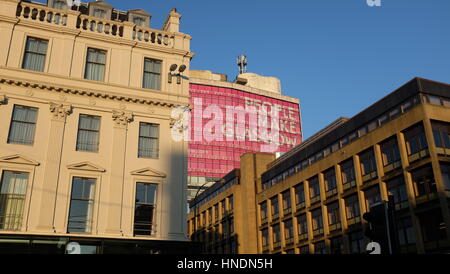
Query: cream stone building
{"points": [[86, 154]]}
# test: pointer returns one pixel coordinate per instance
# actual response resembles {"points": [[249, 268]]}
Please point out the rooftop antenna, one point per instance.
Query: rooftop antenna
{"points": [[242, 63]]}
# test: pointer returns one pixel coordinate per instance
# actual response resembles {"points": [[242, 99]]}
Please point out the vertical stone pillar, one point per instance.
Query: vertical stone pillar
{"points": [[52, 167], [116, 181]]}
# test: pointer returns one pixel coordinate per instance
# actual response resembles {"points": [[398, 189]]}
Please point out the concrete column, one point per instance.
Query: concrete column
{"points": [[116, 180], [437, 174], [52, 167], [411, 193]]}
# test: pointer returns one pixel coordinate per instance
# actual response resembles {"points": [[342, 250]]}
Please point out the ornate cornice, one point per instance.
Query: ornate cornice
{"points": [[60, 111], [97, 94], [122, 118]]}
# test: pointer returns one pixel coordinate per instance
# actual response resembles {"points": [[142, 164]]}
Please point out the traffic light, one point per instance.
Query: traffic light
{"points": [[378, 228]]}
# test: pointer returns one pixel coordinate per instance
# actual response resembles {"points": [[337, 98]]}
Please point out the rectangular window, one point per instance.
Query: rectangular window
{"points": [[95, 65], [81, 205], [265, 238], [302, 227], [23, 125], [424, 182], [372, 196], [13, 189], [352, 210], [445, 169], [441, 133], [139, 21], [276, 235], [314, 189], [88, 133], [275, 209], [99, 13], [368, 165], [58, 4], [286, 201], [348, 173], [263, 211], [356, 240], [415, 140], [320, 248], [144, 213], [34, 57], [300, 195], [406, 235], [330, 182], [337, 245], [148, 141], [317, 221], [397, 188], [288, 232], [334, 219], [390, 151], [152, 74]]}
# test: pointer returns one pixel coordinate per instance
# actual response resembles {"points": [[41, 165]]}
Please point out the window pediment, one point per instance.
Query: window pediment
{"points": [[86, 166], [149, 172], [19, 159]]}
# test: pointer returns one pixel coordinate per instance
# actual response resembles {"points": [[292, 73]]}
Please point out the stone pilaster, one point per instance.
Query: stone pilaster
{"points": [[52, 166], [115, 187]]}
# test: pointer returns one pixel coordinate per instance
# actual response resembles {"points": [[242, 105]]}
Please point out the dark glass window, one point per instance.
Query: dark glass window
{"points": [[302, 225], [356, 240], [320, 248], [397, 188], [337, 245], [95, 65], [330, 182], [333, 215], [348, 171], [423, 180], [299, 194], [288, 231], [88, 133], [441, 133], [23, 125], [390, 151], [286, 201], [152, 74], [314, 189], [148, 141], [317, 220], [352, 207], [406, 235], [81, 205], [144, 212], [276, 235], [372, 196], [415, 139], [263, 210], [368, 163], [445, 169], [265, 238], [275, 208], [34, 57]]}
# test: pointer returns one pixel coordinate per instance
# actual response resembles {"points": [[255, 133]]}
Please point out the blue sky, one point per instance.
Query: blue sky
{"points": [[337, 56]]}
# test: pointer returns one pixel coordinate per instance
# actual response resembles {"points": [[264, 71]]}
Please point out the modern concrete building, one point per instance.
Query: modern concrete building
{"points": [[210, 160], [311, 200], [86, 94], [223, 217]]}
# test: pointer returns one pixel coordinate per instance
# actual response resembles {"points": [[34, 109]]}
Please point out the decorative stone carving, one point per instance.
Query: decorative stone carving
{"points": [[122, 118], [60, 111], [3, 99]]}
